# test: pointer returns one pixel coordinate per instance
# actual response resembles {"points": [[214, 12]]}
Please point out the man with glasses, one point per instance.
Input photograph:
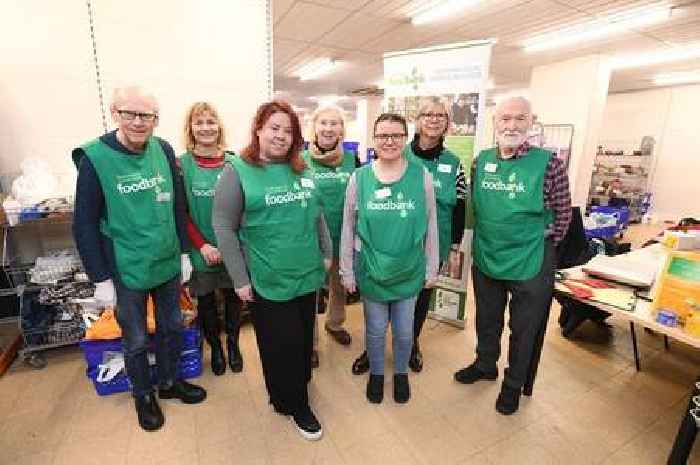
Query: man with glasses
{"points": [[522, 209], [129, 228]]}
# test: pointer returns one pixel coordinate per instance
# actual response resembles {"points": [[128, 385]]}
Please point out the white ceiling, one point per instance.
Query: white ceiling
{"points": [[358, 32]]}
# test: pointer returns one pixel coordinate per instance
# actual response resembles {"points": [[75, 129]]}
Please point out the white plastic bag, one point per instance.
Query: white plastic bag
{"points": [[36, 183]]}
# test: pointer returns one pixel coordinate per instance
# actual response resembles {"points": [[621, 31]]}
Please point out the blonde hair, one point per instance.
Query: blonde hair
{"points": [[197, 109], [337, 111], [428, 102]]}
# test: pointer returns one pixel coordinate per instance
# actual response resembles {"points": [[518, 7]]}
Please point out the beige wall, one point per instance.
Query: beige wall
{"points": [[183, 50], [670, 115], [574, 92]]}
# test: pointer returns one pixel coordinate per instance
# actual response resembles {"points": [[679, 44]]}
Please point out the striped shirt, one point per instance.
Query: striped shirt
{"points": [[556, 193]]}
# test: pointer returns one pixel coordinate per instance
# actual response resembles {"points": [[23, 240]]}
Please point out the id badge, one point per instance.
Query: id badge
{"points": [[382, 193], [490, 167]]}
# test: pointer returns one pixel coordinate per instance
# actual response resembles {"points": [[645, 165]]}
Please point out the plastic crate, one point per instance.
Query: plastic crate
{"points": [[190, 365], [621, 213], [607, 232]]}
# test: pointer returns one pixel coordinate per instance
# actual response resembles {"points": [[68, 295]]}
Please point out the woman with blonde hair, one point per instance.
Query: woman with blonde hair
{"points": [[331, 166], [201, 166]]}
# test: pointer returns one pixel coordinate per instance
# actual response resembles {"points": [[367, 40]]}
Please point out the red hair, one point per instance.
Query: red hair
{"points": [[251, 153]]}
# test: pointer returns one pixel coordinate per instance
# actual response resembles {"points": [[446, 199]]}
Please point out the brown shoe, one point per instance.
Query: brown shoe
{"points": [[341, 336]]}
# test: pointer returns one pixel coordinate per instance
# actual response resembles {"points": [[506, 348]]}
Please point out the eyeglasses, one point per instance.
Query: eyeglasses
{"points": [[383, 138], [131, 115], [438, 116]]}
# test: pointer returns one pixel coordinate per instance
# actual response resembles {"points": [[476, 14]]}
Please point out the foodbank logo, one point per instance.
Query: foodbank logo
{"points": [[414, 79]]}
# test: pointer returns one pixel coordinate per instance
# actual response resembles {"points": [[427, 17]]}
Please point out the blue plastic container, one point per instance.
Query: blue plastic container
{"points": [[354, 147], [607, 232], [621, 213], [190, 361]]}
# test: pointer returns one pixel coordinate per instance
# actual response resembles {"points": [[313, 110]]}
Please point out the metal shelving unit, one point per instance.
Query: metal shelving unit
{"points": [[621, 176], [48, 316]]}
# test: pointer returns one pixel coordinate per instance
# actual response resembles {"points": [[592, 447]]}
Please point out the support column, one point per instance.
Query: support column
{"points": [[574, 92], [368, 109]]}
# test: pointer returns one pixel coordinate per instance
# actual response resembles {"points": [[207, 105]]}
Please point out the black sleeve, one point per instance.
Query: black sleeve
{"points": [[180, 204], [458, 215], [89, 208]]}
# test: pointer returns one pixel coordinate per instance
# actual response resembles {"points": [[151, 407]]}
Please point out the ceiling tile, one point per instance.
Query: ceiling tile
{"points": [[306, 21]]}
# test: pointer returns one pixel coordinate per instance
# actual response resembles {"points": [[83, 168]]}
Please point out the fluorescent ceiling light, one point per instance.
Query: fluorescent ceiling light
{"points": [[327, 99], [440, 10], [316, 68], [656, 57], [681, 77], [592, 30]]}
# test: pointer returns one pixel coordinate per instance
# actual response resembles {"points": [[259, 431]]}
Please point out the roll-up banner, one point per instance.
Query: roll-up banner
{"points": [[457, 75]]}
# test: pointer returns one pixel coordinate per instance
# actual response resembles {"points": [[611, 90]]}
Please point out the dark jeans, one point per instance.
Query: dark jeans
{"points": [[131, 315], [285, 332], [529, 302], [209, 316]]}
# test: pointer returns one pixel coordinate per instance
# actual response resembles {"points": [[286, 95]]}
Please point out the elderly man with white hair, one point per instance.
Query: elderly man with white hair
{"points": [[522, 209], [129, 228]]}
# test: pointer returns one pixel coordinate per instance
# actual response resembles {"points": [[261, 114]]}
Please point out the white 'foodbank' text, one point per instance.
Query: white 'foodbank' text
{"points": [[287, 197], [142, 185]]}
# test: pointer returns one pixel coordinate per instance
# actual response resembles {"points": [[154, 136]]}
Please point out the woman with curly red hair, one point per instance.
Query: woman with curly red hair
{"points": [[276, 247]]}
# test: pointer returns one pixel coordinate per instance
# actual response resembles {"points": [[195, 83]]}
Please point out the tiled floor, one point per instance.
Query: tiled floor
{"points": [[590, 406]]}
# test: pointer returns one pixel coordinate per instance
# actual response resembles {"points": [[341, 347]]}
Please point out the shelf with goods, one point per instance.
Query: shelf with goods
{"points": [[621, 175]]}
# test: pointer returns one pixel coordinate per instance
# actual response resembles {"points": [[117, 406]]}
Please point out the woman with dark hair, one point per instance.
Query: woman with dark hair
{"points": [[389, 249], [276, 247], [201, 166]]}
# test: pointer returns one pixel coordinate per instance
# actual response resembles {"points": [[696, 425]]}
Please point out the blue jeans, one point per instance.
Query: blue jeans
{"points": [[377, 316], [131, 315]]}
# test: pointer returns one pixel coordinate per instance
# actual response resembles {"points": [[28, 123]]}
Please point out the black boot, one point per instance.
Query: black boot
{"points": [[150, 415], [361, 364], [416, 360], [218, 363], [402, 390], [235, 359], [375, 388]]}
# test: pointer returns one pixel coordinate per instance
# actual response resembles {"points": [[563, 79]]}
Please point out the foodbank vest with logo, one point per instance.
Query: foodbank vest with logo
{"points": [[510, 215], [280, 232], [444, 170], [391, 225], [199, 186], [331, 182], [140, 219]]}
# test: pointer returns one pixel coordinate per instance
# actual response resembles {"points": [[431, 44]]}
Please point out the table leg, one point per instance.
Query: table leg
{"points": [[634, 346], [685, 438]]}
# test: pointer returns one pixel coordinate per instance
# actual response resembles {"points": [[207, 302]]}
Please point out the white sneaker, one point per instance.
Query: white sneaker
{"points": [[308, 425]]}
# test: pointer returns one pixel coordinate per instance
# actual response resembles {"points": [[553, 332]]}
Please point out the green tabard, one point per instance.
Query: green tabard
{"points": [[444, 170], [280, 231], [391, 224], [199, 186], [331, 182], [510, 215], [140, 218]]}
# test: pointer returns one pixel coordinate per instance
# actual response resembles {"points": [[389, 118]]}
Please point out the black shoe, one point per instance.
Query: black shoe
{"points": [[218, 363], [341, 336], [150, 415], [361, 364], [186, 392], [416, 360], [308, 425], [472, 374], [508, 400], [402, 390], [314, 359], [235, 359], [375, 388]]}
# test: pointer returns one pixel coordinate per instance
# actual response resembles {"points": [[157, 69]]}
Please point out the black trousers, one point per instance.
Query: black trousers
{"points": [[209, 316], [422, 304], [285, 332], [529, 302]]}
